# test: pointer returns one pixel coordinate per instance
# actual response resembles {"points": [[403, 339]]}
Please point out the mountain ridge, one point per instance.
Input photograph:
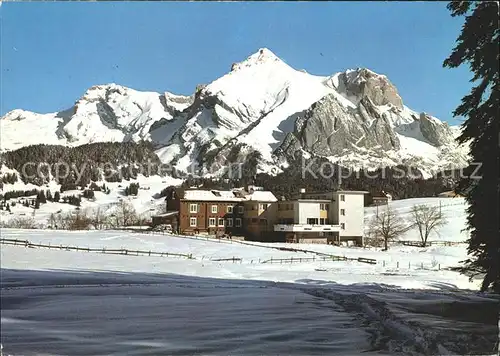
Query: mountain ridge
{"points": [[263, 105]]}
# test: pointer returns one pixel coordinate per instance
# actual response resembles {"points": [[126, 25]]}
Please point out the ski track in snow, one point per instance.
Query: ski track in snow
{"points": [[146, 314]]}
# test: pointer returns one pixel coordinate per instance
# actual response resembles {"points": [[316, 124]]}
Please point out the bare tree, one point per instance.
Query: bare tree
{"points": [[71, 220], [80, 220], [20, 223], [98, 218], [125, 214], [427, 218], [388, 225]]}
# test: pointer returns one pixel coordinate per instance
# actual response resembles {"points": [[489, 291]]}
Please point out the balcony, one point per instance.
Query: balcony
{"points": [[306, 228]]}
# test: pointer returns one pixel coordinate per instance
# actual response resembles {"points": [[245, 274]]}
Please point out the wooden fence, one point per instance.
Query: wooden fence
{"points": [[322, 258], [121, 251], [418, 243], [326, 256]]}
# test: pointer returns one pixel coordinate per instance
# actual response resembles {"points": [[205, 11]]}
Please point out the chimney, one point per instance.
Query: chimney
{"points": [[302, 193]]}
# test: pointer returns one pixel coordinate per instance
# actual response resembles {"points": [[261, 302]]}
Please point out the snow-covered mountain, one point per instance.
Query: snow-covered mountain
{"points": [[262, 105], [105, 113]]}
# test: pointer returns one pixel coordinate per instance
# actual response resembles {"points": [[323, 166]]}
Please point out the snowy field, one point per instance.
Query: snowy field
{"points": [[102, 313], [402, 266], [58, 302]]}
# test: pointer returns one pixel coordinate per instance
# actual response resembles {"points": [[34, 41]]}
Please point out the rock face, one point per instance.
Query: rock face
{"points": [[363, 83], [262, 109], [330, 129], [436, 132]]}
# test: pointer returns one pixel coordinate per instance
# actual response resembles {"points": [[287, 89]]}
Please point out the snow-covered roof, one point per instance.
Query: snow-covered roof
{"points": [[211, 195], [169, 213], [261, 195], [352, 192], [228, 195]]}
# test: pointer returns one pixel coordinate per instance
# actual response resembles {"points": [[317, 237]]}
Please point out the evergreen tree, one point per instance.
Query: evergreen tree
{"points": [[132, 189], [37, 204], [477, 46], [57, 197], [49, 196], [41, 197], [88, 194]]}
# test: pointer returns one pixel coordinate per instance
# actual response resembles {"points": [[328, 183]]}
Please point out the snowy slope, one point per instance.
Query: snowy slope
{"points": [[105, 113], [262, 105], [145, 203]]}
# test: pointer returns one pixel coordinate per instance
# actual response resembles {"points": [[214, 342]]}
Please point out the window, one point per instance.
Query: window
{"points": [[342, 197], [323, 206], [238, 222], [312, 221], [214, 209], [240, 209], [261, 206], [230, 222], [193, 208], [193, 222], [221, 222], [342, 226], [211, 222], [342, 211], [322, 221], [230, 209]]}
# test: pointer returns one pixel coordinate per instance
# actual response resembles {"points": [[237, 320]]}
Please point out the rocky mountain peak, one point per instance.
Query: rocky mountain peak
{"points": [[262, 56], [364, 83]]}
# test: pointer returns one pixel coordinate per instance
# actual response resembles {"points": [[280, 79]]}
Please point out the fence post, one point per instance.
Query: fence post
{"points": [[384, 263], [422, 265], [397, 264]]}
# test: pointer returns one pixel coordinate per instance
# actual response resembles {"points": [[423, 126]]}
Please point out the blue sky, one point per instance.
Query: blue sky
{"points": [[53, 51]]}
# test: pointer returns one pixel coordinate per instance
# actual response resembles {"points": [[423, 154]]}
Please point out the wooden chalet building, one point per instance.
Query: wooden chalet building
{"points": [[220, 211]]}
